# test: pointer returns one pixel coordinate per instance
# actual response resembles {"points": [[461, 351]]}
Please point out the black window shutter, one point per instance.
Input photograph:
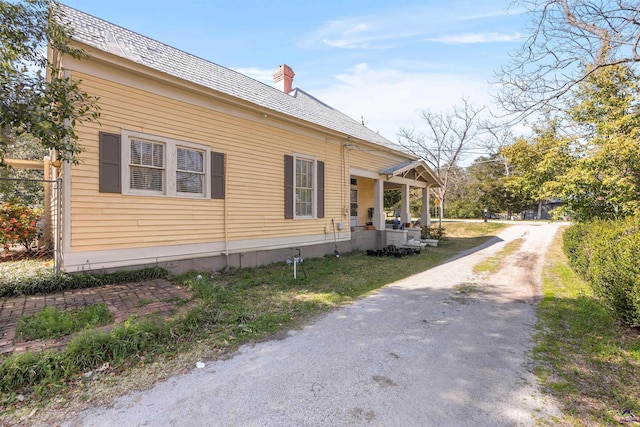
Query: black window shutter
{"points": [[217, 175], [320, 191], [288, 187], [109, 160]]}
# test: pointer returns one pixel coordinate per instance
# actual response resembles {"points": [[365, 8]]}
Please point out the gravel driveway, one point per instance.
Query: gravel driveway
{"points": [[440, 348]]}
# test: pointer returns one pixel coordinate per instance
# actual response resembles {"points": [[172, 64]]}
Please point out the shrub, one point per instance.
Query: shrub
{"points": [[604, 253], [433, 232], [19, 225], [574, 242], [48, 281]]}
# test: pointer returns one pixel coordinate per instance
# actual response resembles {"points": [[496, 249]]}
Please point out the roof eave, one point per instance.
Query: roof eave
{"points": [[117, 61]]}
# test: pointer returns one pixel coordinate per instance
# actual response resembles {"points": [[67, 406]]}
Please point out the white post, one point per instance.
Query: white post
{"points": [[425, 217], [405, 210], [47, 203], [378, 202]]}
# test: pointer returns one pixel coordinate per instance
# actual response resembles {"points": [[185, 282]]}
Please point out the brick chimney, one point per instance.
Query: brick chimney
{"points": [[283, 78]]}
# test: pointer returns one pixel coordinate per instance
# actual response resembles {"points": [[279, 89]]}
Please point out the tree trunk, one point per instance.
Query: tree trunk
{"points": [[540, 209]]}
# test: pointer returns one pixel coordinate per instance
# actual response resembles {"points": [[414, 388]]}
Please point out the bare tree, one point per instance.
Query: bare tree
{"points": [[444, 143], [496, 136], [569, 41]]}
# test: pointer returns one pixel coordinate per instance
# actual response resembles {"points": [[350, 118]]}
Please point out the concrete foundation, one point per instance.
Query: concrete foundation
{"points": [[361, 240]]}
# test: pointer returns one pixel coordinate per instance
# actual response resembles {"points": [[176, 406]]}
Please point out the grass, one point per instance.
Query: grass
{"points": [[144, 301], [228, 309], [492, 264], [51, 322], [462, 229], [584, 358]]}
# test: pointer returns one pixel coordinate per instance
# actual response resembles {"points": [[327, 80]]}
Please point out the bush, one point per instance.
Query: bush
{"points": [[604, 253], [19, 225], [437, 233]]}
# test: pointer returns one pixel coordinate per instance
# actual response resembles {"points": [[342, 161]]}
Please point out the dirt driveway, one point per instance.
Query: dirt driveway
{"points": [[440, 348]]}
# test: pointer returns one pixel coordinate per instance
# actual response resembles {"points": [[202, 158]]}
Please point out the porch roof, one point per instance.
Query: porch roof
{"points": [[417, 170]]}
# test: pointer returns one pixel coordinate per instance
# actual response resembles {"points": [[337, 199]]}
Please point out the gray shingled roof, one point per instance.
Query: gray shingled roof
{"points": [[127, 44]]}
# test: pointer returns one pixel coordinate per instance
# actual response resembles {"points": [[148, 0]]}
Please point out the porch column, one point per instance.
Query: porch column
{"points": [[405, 210], [425, 215], [378, 204]]}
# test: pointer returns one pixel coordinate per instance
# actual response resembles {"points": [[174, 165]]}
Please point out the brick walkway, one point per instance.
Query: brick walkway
{"points": [[154, 297]]}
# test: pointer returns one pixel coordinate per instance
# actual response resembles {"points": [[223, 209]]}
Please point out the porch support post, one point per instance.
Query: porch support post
{"points": [[405, 210], [425, 215], [378, 202]]}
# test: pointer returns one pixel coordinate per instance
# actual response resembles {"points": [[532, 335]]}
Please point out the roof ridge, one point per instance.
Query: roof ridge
{"points": [[135, 47], [163, 43]]}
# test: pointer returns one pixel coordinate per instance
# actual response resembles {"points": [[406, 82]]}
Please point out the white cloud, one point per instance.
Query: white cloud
{"points": [[390, 27], [389, 99], [261, 74], [368, 31], [477, 38], [508, 11]]}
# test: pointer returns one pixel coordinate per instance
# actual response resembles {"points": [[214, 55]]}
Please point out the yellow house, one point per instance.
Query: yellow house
{"points": [[196, 166]]}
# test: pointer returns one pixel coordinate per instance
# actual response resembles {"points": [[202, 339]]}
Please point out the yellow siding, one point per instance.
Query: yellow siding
{"points": [[373, 160], [254, 153], [365, 199]]}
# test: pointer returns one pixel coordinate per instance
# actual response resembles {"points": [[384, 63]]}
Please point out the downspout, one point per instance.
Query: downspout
{"points": [[347, 208], [342, 178], [226, 216], [346, 185]]}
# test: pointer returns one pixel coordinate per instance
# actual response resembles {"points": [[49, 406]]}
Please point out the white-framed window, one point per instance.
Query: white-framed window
{"points": [[305, 187], [146, 166], [190, 173], [159, 166]]}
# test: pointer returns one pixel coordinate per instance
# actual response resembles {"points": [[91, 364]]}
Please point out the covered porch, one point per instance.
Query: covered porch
{"points": [[367, 199]]}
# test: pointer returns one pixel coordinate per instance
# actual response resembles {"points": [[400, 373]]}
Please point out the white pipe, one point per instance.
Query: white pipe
{"points": [[226, 214]]}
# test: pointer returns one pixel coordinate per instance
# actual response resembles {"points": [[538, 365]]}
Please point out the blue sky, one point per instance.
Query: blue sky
{"points": [[381, 60]]}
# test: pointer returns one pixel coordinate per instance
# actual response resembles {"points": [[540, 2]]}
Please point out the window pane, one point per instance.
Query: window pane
{"points": [[190, 183], [190, 160], [304, 187], [143, 178], [304, 205], [147, 161], [147, 154], [158, 155], [190, 173], [136, 157]]}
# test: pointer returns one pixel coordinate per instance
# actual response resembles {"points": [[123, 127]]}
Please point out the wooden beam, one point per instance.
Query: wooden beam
{"points": [[25, 164]]}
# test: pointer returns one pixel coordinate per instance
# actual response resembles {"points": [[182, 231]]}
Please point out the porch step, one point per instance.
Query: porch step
{"points": [[430, 242]]}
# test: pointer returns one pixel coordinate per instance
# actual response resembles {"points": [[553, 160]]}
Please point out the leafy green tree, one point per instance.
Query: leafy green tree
{"points": [[392, 199], [23, 185], [537, 162], [48, 108], [604, 180]]}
